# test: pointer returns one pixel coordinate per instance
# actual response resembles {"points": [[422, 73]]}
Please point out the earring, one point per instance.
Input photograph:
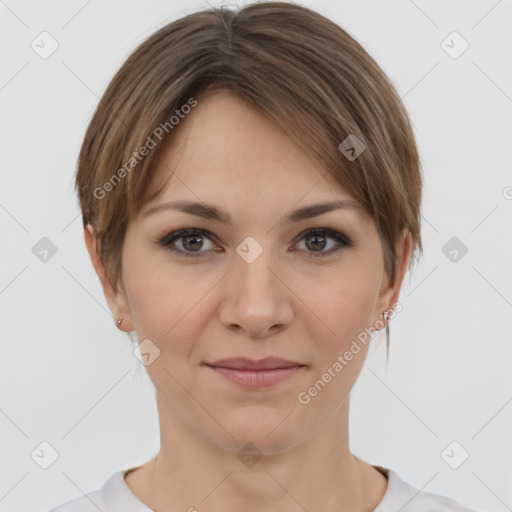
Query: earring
{"points": [[120, 321], [385, 316]]}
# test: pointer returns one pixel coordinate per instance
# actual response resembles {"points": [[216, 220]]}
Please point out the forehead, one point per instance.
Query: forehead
{"points": [[228, 151]]}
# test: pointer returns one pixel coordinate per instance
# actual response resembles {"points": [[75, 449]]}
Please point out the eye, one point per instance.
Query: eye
{"points": [[192, 241], [316, 239]]}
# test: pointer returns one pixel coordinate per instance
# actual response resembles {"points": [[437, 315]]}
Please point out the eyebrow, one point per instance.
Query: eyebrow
{"points": [[212, 212]]}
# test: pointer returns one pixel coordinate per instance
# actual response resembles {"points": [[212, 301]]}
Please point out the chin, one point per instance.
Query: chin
{"points": [[269, 435]]}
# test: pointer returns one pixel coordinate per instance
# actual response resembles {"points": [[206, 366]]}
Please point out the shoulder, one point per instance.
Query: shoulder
{"points": [[402, 496], [114, 496], [89, 502]]}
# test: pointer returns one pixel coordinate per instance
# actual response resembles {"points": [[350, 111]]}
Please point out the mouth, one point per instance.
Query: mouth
{"points": [[255, 374]]}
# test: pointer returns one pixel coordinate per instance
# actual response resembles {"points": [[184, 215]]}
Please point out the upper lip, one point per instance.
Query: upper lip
{"points": [[244, 363]]}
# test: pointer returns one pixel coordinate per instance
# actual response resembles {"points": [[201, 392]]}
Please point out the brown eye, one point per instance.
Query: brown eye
{"points": [[190, 240], [316, 240]]}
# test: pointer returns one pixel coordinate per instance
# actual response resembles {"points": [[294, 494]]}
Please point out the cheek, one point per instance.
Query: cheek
{"points": [[346, 308], [354, 312], [340, 305], [149, 301], [153, 293], [167, 302]]}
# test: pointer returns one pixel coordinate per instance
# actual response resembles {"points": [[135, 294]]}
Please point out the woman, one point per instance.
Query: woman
{"points": [[251, 189]]}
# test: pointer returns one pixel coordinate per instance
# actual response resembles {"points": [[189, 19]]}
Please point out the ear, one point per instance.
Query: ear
{"points": [[116, 299], [390, 291]]}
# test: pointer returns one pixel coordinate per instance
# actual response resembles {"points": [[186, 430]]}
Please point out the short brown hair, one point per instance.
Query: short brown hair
{"points": [[301, 69]]}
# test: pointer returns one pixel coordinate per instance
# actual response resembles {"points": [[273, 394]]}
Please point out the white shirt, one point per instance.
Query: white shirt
{"points": [[116, 496]]}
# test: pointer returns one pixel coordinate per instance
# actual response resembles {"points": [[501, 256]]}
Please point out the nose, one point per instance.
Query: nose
{"points": [[257, 300]]}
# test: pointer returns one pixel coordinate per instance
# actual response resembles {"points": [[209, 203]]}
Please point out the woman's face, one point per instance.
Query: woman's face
{"points": [[256, 283]]}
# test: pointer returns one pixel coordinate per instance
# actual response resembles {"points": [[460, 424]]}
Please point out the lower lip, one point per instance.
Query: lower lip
{"points": [[256, 379]]}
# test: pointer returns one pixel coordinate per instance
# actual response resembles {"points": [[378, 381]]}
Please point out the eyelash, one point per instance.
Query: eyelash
{"points": [[168, 240]]}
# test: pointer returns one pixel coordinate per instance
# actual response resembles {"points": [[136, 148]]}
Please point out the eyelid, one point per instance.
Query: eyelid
{"points": [[342, 240], [168, 240], [324, 230]]}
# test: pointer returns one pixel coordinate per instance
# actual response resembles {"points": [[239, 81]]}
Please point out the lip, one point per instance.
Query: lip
{"points": [[256, 373], [245, 363]]}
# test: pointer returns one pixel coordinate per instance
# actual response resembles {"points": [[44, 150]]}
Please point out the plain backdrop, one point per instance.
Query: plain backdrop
{"points": [[68, 377]]}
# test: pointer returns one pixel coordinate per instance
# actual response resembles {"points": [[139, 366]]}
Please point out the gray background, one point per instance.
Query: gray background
{"points": [[68, 376]]}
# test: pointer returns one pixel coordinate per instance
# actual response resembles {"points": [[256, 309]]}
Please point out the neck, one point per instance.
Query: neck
{"points": [[192, 472]]}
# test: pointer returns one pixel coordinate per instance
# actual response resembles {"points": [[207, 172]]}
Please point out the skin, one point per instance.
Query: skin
{"points": [[286, 303]]}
